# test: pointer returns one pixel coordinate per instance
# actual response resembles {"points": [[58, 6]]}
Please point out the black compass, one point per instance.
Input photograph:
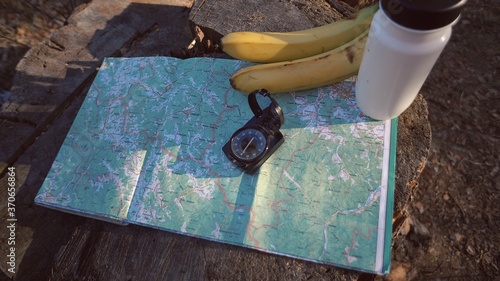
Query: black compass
{"points": [[251, 145]]}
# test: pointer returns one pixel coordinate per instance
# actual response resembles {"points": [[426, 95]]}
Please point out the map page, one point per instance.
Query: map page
{"points": [[146, 148]]}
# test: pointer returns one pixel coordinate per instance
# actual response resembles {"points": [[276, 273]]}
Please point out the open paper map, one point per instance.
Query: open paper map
{"points": [[145, 148]]}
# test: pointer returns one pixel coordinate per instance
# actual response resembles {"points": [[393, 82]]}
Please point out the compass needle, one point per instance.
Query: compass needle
{"points": [[250, 142]]}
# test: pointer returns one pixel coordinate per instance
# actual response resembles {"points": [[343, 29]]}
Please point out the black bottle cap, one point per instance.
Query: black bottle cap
{"points": [[423, 14]]}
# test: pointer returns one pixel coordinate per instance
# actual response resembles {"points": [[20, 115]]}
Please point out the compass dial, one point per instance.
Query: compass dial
{"points": [[248, 144]]}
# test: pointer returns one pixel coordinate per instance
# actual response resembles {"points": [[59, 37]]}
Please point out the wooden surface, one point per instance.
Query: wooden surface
{"points": [[49, 87]]}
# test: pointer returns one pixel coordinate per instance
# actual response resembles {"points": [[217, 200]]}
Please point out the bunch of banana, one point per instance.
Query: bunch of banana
{"points": [[300, 60]]}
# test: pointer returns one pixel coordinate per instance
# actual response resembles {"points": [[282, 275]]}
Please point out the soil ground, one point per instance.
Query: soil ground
{"points": [[452, 230]]}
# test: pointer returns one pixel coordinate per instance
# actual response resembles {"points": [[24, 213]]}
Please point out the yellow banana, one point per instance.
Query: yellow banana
{"points": [[268, 47], [307, 73]]}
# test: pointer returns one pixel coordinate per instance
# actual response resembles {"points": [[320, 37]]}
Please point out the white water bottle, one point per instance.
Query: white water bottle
{"points": [[405, 40]]}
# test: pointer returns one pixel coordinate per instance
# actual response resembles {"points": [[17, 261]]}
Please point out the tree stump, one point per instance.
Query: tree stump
{"points": [[51, 82]]}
